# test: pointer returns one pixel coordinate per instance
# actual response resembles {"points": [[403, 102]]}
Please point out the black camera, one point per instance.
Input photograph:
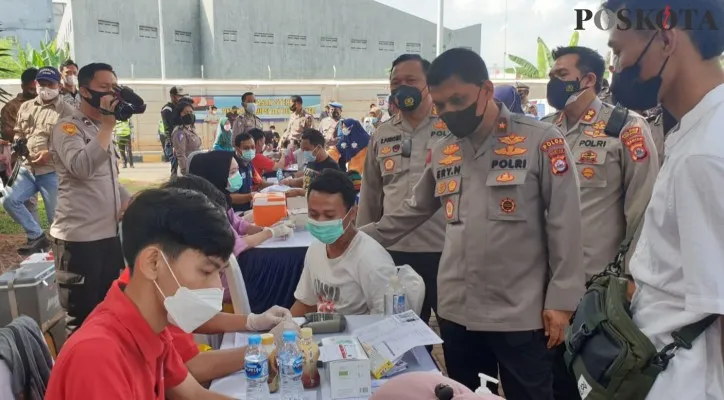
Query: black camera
{"points": [[129, 103], [20, 147]]}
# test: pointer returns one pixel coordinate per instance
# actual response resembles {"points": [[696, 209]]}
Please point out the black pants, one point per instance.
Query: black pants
{"points": [[85, 272], [126, 152], [426, 265], [522, 359], [564, 383]]}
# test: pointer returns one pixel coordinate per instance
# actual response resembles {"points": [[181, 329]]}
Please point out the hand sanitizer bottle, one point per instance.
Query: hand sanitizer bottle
{"points": [[483, 389]]}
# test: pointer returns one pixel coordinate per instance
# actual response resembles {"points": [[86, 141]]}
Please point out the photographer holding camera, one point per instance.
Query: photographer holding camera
{"points": [[32, 132], [85, 237]]}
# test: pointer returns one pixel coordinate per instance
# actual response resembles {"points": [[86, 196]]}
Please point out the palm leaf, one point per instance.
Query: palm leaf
{"points": [[545, 59], [525, 68], [574, 39]]}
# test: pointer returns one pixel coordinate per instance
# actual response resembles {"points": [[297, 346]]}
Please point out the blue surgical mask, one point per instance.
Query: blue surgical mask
{"points": [[236, 181], [251, 107], [248, 155], [327, 232]]}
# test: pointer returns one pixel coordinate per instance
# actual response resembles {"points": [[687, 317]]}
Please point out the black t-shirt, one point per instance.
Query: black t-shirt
{"points": [[314, 168]]}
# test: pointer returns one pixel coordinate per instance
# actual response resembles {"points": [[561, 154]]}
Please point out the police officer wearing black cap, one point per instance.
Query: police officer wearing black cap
{"points": [[177, 93]]}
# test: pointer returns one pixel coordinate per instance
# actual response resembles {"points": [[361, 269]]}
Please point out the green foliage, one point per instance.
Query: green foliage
{"points": [[6, 67], [49, 54], [544, 61]]}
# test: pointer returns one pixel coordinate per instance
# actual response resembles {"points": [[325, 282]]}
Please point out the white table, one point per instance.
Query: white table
{"points": [[300, 238], [234, 385]]}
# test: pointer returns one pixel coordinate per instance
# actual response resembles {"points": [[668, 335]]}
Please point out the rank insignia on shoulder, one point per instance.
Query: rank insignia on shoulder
{"points": [[589, 115], [440, 125], [502, 124], [70, 129], [450, 149]]}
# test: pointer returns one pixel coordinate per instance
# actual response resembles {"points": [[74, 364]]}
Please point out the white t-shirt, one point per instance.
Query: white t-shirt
{"points": [[351, 284], [678, 264]]}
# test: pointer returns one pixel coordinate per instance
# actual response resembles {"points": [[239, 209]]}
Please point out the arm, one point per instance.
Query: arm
{"points": [[80, 158], [256, 239], [9, 120], [214, 364], [412, 213], [305, 295], [20, 122], [75, 373], [222, 323], [179, 146], [299, 309], [190, 389], [700, 218], [241, 198], [371, 195]]}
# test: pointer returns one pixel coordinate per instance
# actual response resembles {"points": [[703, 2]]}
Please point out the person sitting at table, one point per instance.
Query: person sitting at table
{"points": [[317, 161], [178, 242], [262, 163], [345, 271]]}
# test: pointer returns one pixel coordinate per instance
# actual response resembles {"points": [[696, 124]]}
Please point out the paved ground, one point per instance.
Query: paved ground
{"points": [[147, 172]]}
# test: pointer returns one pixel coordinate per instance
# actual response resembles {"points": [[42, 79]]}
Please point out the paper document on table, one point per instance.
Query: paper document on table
{"points": [[338, 348], [241, 340], [396, 335], [276, 189]]}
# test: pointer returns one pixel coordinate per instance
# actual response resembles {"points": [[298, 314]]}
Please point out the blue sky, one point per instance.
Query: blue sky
{"points": [[552, 20]]}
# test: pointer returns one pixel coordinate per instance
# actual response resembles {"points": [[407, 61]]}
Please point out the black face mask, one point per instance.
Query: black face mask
{"points": [[293, 108], [464, 122], [407, 98], [95, 99], [188, 119], [336, 115], [559, 91], [634, 93], [29, 95]]}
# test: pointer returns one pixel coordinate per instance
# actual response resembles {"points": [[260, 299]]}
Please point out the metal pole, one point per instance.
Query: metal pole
{"points": [[161, 40], [440, 26], [334, 67], [202, 71], [505, 41]]}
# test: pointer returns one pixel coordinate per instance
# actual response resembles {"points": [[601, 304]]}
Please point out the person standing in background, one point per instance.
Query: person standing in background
{"points": [[167, 113], [211, 122], [329, 126], [248, 120], [508, 95], [8, 119], [184, 138], [523, 91], [123, 131], [69, 88], [299, 120], [223, 136]]}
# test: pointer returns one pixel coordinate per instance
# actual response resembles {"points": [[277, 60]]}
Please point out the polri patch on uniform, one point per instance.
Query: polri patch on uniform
{"points": [[635, 142], [449, 209], [558, 159], [389, 165], [70, 129], [510, 142], [589, 115], [505, 177], [548, 144], [588, 173], [588, 157], [507, 205], [502, 124], [386, 150]]}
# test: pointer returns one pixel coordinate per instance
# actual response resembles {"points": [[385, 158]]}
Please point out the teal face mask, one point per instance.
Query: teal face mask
{"points": [[327, 232], [236, 181], [248, 155]]}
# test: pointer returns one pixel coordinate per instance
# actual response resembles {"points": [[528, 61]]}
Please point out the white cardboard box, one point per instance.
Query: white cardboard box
{"points": [[348, 372]]}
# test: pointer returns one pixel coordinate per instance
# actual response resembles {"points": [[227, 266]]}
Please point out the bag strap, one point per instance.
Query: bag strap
{"points": [[615, 267], [683, 338]]}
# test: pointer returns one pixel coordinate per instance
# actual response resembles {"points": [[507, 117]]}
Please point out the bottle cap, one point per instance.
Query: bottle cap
{"points": [[289, 336], [484, 379], [254, 340], [267, 338], [306, 333]]}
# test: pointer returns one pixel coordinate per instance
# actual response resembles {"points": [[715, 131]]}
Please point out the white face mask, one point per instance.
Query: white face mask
{"points": [[47, 94], [71, 80], [251, 107], [189, 309]]}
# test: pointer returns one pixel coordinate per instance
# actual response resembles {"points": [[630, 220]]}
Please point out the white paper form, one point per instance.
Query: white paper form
{"points": [[396, 335]]}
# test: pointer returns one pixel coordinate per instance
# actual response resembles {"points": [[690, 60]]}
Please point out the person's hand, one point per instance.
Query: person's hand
{"points": [[555, 323], [267, 320], [286, 325], [42, 157], [295, 192], [286, 181], [630, 290], [108, 106], [280, 230]]}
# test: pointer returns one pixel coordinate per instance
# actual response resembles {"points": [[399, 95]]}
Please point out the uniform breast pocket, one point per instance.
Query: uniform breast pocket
{"points": [[591, 166], [506, 196], [390, 165], [448, 191]]}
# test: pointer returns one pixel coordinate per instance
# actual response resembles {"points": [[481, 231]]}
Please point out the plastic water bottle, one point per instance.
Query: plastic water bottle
{"points": [[291, 363], [256, 368], [280, 176], [395, 297]]}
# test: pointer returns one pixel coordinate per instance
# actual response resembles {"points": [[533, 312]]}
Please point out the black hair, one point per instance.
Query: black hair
{"points": [[272, 127], [313, 136], [589, 61], [709, 41], [297, 99], [242, 137], [409, 57], [257, 134], [268, 137], [285, 143], [244, 96], [176, 114], [331, 181], [88, 72], [201, 185], [175, 220], [28, 75], [214, 167], [463, 63], [214, 108], [68, 63], [234, 108]]}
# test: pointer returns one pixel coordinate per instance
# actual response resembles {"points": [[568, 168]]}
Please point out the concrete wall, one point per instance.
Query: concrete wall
{"points": [[356, 98], [246, 39], [29, 21]]}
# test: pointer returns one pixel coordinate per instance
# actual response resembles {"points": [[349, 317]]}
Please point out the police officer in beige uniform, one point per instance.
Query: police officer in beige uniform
{"points": [[511, 270], [397, 156], [184, 138], [299, 120], [86, 243], [248, 120], [614, 152]]}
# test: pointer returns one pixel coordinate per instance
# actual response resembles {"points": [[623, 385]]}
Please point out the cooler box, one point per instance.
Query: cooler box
{"points": [[31, 290], [269, 208]]}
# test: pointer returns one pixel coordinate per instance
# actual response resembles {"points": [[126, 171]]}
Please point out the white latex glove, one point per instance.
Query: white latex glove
{"points": [[267, 320], [280, 230], [285, 325]]}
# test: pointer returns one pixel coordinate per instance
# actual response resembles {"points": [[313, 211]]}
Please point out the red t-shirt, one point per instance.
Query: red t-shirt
{"points": [[184, 342], [262, 163], [116, 355]]}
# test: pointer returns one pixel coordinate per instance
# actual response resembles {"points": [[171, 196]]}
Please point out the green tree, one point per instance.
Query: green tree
{"points": [[6, 66], [544, 61], [49, 54]]}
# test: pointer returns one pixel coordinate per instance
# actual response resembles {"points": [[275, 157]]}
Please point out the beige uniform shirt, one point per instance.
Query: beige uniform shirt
{"points": [[297, 124], [185, 141], [328, 127], [9, 116], [513, 235], [35, 123], [390, 178], [73, 99], [617, 177], [89, 194], [243, 124]]}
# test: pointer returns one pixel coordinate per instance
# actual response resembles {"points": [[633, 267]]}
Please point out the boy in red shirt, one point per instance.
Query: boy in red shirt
{"points": [[177, 241]]}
